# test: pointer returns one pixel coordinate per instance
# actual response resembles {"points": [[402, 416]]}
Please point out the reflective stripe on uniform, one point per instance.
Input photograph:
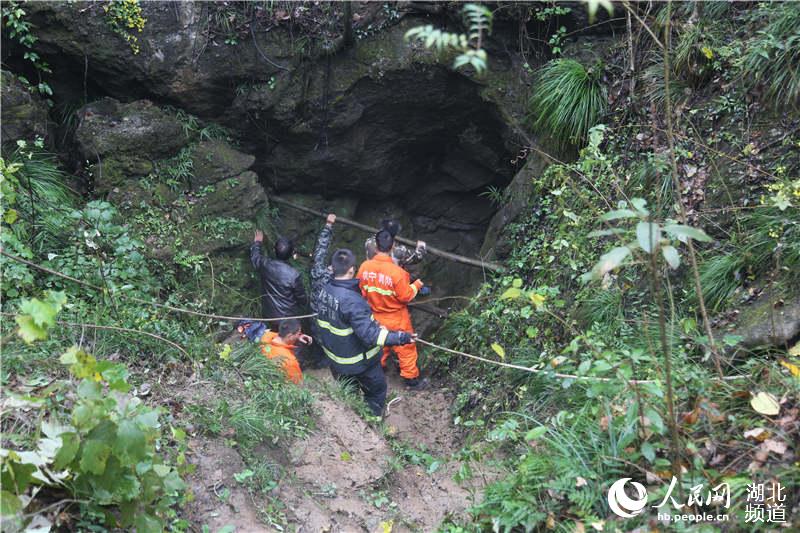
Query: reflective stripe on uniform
{"points": [[333, 329], [414, 288], [354, 359], [385, 292], [382, 336]]}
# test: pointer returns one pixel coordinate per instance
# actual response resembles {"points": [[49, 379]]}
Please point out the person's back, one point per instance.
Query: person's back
{"points": [[274, 346], [349, 335], [283, 293], [388, 290]]}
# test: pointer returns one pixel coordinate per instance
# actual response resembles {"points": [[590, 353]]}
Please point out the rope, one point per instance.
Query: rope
{"points": [[548, 373], [113, 328], [146, 302]]}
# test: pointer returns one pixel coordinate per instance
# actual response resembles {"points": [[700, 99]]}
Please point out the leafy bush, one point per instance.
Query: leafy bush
{"points": [[568, 99], [106, 457]]}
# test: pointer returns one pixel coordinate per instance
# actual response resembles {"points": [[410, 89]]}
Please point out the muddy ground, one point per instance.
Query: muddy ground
{"points": [[346, 476]]}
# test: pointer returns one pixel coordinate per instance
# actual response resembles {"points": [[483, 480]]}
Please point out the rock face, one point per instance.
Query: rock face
{"points": [[380, 129], [123, 140], [770, 322], [191, 200], [24, 115]]}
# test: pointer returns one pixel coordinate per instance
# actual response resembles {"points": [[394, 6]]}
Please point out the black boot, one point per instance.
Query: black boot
{"points": [[419, 383]]}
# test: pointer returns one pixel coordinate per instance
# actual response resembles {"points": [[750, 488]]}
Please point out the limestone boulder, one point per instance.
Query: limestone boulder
{"points": [[24, 114]]}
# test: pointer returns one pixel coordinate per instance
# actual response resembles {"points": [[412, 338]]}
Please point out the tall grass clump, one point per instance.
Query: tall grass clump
{"points": [[43, 199], [567, 100], [772, 59]]}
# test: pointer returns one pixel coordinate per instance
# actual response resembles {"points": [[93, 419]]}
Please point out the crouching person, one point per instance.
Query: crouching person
{"points": [[349, 335], [280, 345]]}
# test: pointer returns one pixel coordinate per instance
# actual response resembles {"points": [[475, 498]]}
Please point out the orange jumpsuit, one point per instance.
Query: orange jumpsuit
{"points": [[388, 290], [272, 349]]}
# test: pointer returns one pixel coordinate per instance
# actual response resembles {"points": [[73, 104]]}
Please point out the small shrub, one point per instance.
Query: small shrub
{"points": [[568, 99], [106, 455]]}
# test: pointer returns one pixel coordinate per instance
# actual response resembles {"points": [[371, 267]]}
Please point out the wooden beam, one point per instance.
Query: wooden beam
{"points": [[369, 229]]}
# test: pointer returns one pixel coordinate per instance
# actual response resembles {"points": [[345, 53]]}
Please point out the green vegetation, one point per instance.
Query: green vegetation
{"points": [[18, 28], [103, 453], [568, 99], [478, 20], [126, 20]]}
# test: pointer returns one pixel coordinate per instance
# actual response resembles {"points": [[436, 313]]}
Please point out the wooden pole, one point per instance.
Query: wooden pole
{"points": [[369, 229]]}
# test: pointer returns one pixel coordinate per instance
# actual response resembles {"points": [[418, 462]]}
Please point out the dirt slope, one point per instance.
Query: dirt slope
{"points": [[345, 476]]}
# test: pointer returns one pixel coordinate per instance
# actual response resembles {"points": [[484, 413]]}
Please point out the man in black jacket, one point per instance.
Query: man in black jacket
{"points": [[346, 330], [283, 293]]}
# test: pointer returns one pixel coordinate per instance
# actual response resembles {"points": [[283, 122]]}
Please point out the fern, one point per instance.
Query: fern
{"points": [[567, 101], [479, 24]]}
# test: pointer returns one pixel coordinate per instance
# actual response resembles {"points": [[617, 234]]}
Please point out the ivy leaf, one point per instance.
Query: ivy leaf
{"points": [[511, 293], [70, 442], [94, 457], [648, 234], [28, 329], [683, 233], [130, 445], [538, 300], [671, 256], [499, 350], [146, 523]]}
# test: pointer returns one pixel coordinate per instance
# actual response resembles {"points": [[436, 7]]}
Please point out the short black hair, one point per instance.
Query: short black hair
{"points": [[392, 226], [342, 261], [288, 326], [284, 248], [384, 241]]}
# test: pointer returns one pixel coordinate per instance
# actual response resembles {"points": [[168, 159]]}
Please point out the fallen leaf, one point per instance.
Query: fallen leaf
{"points": [[773, 445], [579, 528], [794, 369], [765, 404], [795, 350], [580, 482], [499, 350], [691, 170], [600, 525], [758, 434], [691, 417]]}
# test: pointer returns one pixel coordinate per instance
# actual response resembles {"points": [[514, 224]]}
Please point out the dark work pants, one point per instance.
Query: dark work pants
{"points": [[372, 383]]}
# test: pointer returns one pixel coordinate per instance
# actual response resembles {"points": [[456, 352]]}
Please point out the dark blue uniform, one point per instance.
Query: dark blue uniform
{"points": [[346, 330]]}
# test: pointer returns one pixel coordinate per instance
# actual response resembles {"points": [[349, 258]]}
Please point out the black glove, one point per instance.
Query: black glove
{"points": [[404, 337]]}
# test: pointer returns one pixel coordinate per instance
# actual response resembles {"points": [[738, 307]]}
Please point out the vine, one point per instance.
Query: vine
{"points": [[125, 18]]}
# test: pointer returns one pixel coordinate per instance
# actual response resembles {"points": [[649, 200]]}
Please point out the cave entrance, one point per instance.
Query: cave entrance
{"points": [[420, 145]]}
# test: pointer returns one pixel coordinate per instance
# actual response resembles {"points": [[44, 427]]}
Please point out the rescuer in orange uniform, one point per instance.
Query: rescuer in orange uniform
{"points": [[279, 345], [387, 288]]}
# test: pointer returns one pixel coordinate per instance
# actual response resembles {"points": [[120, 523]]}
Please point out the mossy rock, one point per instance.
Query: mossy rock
{"points": [[116, 171], [24, 114], [771, 321], [240, 197], [139, 128], [216, 160]]}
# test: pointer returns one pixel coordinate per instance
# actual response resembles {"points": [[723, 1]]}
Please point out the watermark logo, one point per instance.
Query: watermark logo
{"points": [[621, 503]]}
